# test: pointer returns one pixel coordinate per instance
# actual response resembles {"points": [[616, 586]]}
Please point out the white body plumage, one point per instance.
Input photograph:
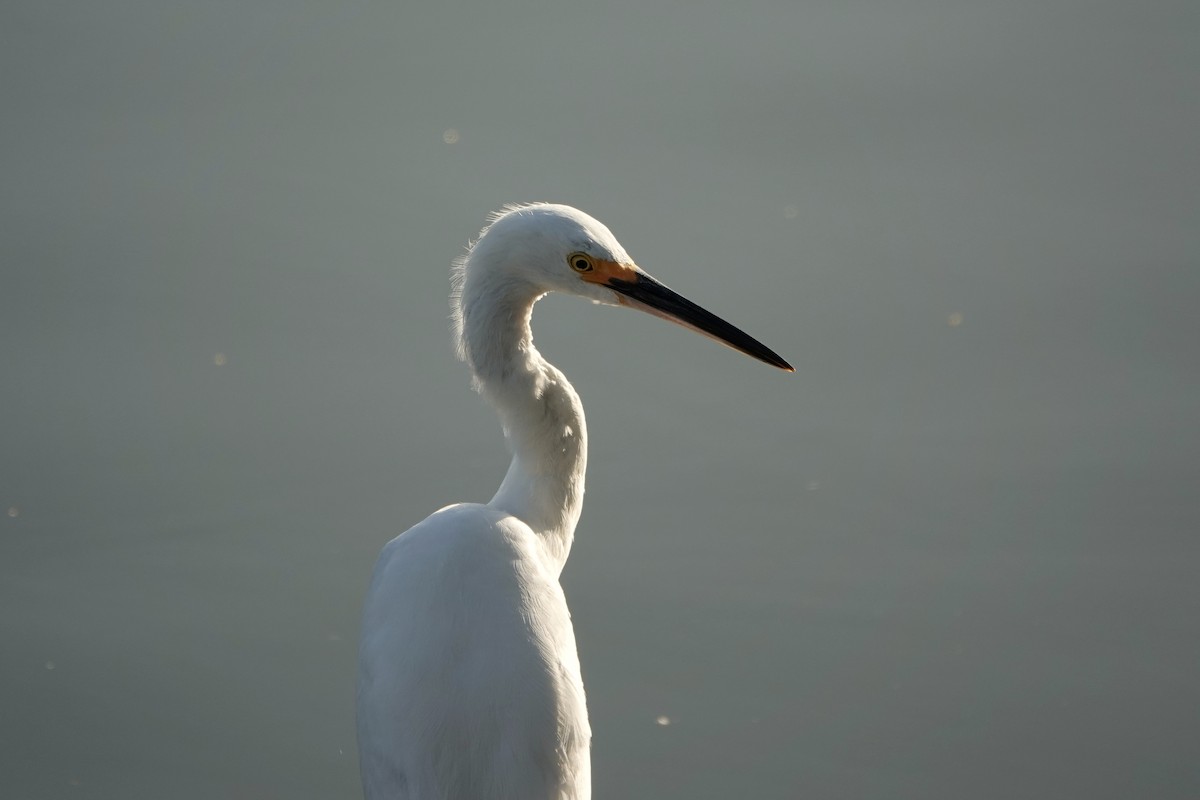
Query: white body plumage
{"points": [[469, 686]]}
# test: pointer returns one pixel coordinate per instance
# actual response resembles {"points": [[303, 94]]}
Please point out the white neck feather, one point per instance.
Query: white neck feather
{"points": [[540, 411]]}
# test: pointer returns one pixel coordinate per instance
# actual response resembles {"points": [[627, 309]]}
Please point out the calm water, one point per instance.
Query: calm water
{"points": [[954, 556]]}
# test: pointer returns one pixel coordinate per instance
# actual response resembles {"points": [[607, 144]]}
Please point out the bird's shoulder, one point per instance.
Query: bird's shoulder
{"points": [[461, 540], [457, 528]]}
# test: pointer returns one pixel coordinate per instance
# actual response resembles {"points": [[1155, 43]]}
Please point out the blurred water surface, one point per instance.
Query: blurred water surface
{"points": [[953, 556]]}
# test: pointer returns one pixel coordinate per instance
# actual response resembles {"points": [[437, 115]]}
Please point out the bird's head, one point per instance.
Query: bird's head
{"points": [[555, 248], [549, 248]]}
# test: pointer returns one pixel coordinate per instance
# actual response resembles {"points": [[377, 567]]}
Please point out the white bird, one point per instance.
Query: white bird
{"points": [[468, 680]]}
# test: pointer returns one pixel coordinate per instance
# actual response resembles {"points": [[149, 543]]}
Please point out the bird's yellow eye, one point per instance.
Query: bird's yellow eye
{"points": [[581, 262]]}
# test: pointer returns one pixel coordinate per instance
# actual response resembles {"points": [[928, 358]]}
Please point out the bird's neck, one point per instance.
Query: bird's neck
{"points": [[541, 413]]}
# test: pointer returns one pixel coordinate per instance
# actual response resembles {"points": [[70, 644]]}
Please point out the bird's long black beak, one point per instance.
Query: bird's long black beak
{"points": [[643, 292]]}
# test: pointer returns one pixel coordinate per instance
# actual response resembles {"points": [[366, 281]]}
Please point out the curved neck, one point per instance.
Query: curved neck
{"points": [[540, 411]]}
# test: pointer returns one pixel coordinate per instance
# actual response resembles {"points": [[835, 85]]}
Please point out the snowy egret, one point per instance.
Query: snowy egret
{"points": [[468, 679]]}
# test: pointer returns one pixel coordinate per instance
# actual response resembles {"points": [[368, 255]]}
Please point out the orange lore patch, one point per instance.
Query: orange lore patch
{"points": [[607, 270]]}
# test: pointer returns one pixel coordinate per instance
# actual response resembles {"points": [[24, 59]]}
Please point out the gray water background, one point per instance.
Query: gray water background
{"points": [[955, 556]]}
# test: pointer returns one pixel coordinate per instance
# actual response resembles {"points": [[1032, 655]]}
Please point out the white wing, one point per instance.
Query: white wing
{"points": [[469, 682]]}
